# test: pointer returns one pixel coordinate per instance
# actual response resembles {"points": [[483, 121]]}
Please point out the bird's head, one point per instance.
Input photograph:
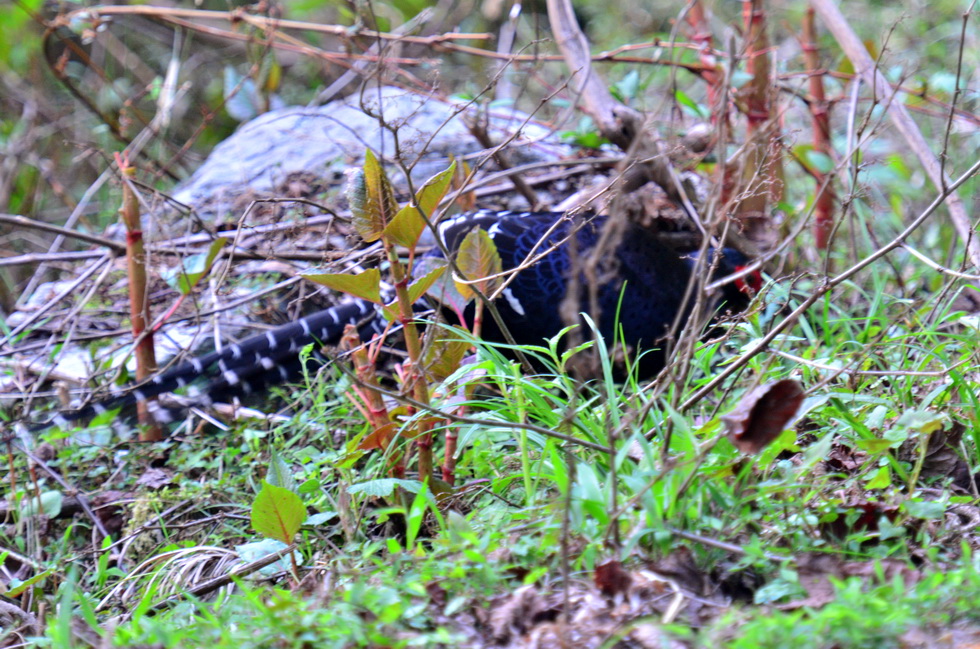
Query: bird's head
{"points": [[736, 294]]}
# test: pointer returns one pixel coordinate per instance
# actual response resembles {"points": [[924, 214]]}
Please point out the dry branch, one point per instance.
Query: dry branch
{"points": [[867, 69]]}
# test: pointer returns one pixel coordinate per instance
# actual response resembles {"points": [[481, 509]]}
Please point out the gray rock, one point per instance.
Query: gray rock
{"points": [[328, 140]]}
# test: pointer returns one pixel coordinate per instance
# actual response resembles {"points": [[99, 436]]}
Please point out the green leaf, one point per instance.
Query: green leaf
{"points": [[929, 510], [881, 479], [434, 189], [693, 108], [628, 87], [410, 221], [406, 228], [739, 78], [50, 504], [366, 285], [256, 550], [384, 487], [16, 587], [321, 519], [372, 199], [478, 259], [186, 276], [278, 473], [922, 421], [421, 286], [445, 352], [277, 513], [875, 445], [820, 161]]}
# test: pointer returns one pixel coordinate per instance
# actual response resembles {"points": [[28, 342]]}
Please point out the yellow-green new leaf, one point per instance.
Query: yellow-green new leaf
{"points": [[410, 221], [419, 287], [366, 285], [406, 228], [416, 290], [479, 263], [372, 199], [277, 513], [434, 189]]}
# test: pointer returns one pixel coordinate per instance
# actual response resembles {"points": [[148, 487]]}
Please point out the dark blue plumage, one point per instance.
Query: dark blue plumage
{"points": [[645, 280], [642, 281]]}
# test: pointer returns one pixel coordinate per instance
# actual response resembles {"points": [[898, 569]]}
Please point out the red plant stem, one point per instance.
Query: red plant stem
{"points": [[762, 172], [372, 403], [449, 458], [415, 376], [139, 303], [713, 73], [718, 99], [819, 109]]}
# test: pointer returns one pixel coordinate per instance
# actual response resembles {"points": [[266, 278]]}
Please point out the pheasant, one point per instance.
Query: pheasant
{"points": [[642, 290]]}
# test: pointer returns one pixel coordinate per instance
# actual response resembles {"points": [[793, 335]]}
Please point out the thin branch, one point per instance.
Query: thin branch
{"points": [[828, 286], [866, 68]]}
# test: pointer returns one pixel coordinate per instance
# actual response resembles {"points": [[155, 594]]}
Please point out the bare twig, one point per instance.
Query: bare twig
{"points": [[827, 286], [866, 68], [24, 222]]}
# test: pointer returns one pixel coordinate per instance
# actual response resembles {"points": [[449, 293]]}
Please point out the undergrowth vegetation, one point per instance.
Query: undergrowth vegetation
{"points": [[608, 512]]}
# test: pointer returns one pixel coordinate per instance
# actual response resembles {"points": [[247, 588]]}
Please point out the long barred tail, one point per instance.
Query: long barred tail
{"points": [[240, 368]]}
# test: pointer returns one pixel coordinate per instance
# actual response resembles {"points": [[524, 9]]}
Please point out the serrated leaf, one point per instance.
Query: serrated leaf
{"points": [[383, 487], [278, 473], [478, 259], [277, 513], [185, 277], [366, 285], [372, 199], [421, 286], [434, 190]]}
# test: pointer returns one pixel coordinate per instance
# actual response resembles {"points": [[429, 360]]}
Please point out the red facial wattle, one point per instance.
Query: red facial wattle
{"points": [[750, 283]]}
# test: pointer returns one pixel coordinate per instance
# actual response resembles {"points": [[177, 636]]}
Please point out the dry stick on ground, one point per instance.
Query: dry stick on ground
{"points": [[24, 222], [267, 24], [39, 313], [868, 70]]}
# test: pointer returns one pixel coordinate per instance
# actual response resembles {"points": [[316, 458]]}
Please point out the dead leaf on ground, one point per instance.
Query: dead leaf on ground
{"points": [[763, 414]]}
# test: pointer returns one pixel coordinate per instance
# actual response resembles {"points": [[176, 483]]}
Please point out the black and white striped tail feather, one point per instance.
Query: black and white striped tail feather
{"points": [[240, 368]]}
